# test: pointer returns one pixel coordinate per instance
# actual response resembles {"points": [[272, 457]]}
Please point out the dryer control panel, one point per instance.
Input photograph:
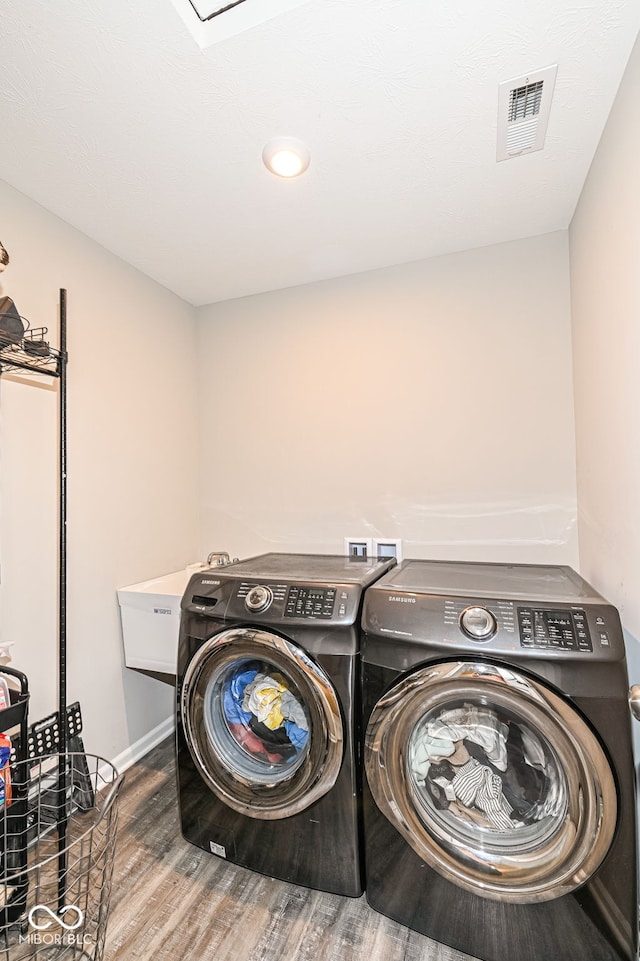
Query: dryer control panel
{"points": [[494, 626]]}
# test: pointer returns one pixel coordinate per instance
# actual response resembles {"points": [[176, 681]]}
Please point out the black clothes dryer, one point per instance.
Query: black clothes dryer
{"points": [[499, 805], [268, 713]]}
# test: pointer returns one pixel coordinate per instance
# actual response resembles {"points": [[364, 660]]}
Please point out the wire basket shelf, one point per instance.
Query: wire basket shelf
{"points": [[57, 844], [31, 354]]}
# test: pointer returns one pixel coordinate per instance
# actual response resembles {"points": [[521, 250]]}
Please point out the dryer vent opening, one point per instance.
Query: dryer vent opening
{"points": [[524, 104]]}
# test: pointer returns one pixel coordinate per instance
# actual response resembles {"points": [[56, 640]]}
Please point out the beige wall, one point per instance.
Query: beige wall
{"points": [[132, 469], [605, 291], [430, 401]]}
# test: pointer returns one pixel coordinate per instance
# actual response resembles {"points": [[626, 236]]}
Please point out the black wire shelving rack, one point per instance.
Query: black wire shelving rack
{"points": [[58, 834], [33, 354]]}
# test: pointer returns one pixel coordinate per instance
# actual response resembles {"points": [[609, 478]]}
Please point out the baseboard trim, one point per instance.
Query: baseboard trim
{"points": [[136, 751]]}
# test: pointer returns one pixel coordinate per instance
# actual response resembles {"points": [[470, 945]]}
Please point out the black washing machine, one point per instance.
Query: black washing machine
{"points": [[268, 716], [499, 804]]}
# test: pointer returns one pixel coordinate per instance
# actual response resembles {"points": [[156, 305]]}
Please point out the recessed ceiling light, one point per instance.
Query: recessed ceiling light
{"points": [[286, 157]]}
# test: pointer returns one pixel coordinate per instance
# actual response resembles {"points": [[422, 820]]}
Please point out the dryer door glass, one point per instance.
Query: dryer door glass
{"points": [[262, 723], [493, 779]]}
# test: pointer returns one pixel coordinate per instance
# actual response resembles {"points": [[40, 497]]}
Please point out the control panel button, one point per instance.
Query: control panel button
{"points": [[478, 623], [259, 598]]}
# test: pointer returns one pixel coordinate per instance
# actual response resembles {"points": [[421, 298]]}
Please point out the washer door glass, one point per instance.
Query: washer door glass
{"points": [[493, 779], [262, 722]]}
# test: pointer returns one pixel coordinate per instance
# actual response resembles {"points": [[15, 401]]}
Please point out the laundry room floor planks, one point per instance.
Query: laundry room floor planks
{"points": [[172, 902]]}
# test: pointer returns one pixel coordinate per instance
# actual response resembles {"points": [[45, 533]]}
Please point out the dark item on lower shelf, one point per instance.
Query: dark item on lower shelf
{"points": [[45, 810], [13, 813], [11, 324], [16, 713], [34, 343], [44, 739]]}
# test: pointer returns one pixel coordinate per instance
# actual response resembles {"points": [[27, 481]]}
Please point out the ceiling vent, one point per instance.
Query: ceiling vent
{"points": [[210, 21], [523, 112]]}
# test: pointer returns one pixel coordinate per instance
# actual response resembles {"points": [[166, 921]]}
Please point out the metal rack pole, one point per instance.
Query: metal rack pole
{"points": [[62, 604]]}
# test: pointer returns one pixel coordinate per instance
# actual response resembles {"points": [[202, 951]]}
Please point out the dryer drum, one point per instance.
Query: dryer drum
{"points": [[262, 723], [493, 779]]}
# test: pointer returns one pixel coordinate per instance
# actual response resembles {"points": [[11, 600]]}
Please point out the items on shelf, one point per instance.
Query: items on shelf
{"points": [[25, 348], [28, 350], [14, 788], [11, 325], [5, 700], [5, 770]]}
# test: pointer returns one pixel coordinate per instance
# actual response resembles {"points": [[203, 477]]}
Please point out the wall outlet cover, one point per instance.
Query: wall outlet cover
{"points": [[358, 546], [386, 547]]}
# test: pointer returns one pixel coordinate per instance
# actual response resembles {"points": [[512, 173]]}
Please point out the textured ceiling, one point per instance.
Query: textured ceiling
{"points": [[113, 118]]}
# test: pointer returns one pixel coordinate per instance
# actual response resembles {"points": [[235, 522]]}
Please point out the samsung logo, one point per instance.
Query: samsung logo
{"points": [[402, 600], [206, 581]]}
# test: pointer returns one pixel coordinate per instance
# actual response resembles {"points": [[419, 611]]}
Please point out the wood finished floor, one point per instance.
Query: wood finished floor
{"points": [[173, 902]]}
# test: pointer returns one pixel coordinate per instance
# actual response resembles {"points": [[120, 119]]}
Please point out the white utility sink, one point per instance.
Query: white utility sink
{"points": [[150, 614]]}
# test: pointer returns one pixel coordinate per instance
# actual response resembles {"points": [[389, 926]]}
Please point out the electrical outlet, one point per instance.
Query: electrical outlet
{"points": [[361, 547], [387, 547]]}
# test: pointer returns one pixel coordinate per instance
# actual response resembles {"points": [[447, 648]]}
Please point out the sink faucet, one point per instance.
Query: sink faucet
{"points": [[218, 559]]}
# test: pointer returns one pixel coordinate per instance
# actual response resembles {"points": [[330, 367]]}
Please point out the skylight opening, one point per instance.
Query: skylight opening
{"points": [[206, 9], [210, 21]]}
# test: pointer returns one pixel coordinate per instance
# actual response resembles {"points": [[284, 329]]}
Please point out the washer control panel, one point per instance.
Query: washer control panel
{"points": [[554, 629], [299, 601], [310, 601]]}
